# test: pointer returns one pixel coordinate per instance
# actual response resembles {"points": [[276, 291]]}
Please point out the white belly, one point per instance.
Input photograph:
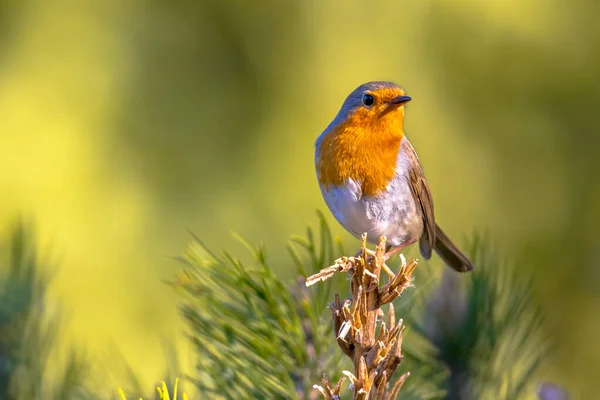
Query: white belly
{"points": [[392, 213]]}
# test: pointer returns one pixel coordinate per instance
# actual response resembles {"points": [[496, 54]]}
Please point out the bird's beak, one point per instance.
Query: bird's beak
{"points": [[400, 100]]}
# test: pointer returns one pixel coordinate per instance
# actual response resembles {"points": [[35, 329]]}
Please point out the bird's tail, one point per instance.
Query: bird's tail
{"points": [[448, 252]]}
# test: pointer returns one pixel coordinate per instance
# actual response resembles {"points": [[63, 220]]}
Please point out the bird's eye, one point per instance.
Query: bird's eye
{"points": [[368, 100]]}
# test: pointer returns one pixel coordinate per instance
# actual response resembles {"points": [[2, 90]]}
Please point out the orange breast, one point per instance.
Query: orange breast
{"points": [[363, 149]]}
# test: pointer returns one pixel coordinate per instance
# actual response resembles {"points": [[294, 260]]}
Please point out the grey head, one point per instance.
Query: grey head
{"points": [[376, 96]]}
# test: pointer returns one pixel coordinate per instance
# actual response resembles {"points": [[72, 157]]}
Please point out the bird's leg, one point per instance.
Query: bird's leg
{"points": [[398, 249]]}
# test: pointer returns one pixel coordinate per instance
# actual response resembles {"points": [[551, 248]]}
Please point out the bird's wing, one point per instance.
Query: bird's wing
{"points": [[423, 198]]}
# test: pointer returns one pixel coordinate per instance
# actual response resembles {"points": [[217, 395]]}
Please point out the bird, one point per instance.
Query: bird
{"points": [[372, 180]]}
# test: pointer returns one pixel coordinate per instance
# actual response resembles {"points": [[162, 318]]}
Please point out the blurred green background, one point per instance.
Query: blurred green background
{"points": [[122, 124]]}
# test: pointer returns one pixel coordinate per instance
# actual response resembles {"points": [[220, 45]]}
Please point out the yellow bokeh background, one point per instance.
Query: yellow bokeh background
{"points": [[122, 124]]}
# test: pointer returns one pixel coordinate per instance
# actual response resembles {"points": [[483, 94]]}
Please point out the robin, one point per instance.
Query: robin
{"points": [[372, 180]]}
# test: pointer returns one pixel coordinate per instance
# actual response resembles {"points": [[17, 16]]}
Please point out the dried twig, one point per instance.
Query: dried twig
{"points": [[375, 355], [327, 391]]}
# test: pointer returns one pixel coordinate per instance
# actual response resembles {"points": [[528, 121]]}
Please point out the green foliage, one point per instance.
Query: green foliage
{"points": [[28, 330], [473, 336], [129, 382], [487, 332], [257, 337], [163, 392]]}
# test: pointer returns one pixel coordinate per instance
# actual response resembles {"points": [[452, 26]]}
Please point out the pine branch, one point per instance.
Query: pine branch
{"points": [[486, 331], [255, 336], [375, 356], [29, 330]]}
